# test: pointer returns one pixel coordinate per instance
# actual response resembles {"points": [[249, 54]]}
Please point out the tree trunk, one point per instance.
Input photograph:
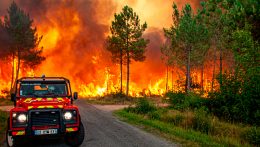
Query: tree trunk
{"points": [[128, 59], [188, 71], [167, 70], [214, 68], [121, 71], [172, 80], [18, 65], [202, 79], [128, 72], [220, 68], [12, 80]]}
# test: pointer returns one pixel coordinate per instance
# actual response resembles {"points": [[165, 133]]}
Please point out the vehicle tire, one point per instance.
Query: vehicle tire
{"points": [[12, 141], [77, 138]]}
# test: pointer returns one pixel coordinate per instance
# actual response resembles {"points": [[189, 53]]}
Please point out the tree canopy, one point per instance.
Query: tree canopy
{"points": [[23, 39]]}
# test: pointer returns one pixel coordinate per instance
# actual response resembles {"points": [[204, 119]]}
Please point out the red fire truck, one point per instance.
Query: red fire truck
{"points": [[43, 106]]}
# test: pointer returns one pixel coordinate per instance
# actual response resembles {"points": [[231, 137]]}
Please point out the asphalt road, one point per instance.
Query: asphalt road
{"points": [[104, 130]]}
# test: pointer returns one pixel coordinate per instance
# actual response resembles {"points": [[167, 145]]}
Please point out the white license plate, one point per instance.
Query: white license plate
{"points": [[43, 132]]}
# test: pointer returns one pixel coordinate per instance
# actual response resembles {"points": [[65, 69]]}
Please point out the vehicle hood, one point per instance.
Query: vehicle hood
{"points": [[40, 103]]}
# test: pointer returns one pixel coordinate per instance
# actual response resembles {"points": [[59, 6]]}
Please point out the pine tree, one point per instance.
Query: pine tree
{"points": [[186, 34], [24, 39], [126, 42]]}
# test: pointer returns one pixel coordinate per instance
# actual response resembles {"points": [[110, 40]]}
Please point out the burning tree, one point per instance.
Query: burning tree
{"points": [[126, 42], [187, 35], [24, 40]]}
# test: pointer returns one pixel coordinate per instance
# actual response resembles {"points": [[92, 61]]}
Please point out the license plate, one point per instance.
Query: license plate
{"points": [[44, 132]]}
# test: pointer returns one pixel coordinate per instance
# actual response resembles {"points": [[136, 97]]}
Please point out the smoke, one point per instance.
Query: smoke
{"points": [[74, 32], [153, 68], [79, 35]]}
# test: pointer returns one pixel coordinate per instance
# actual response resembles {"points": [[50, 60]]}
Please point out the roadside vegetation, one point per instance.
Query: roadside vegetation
{"points": [[189, 123], [3, 125], [5, 101], [121, 99], [112, 99], [225, 35]]}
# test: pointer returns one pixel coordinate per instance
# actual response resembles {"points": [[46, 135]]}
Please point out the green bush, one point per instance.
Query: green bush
{"points": [[178, 119], [202, 121], [237, 100], [175, 119], [167, 118], [177, 100], [144, 106], [182, 101], [154, 115], [3, 119], [130, 109], [252, 135]]}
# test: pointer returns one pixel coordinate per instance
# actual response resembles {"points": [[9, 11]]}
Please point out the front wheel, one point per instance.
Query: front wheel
{"points": [[77, 138], [12, 141], [9, 140]]}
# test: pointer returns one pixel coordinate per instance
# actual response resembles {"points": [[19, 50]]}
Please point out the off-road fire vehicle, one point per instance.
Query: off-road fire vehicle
{"points": [[43, 107]]}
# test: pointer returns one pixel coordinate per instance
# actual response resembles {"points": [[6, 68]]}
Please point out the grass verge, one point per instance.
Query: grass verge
{"points": [[186, 137], [3, 125]]}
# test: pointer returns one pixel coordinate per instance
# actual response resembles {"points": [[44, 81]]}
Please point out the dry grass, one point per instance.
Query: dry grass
{"points": [[227, 134]]}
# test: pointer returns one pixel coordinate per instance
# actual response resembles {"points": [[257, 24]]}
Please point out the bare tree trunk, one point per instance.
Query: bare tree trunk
{"points": [[128, 61], [220, 67], [128, 73], [202, 78], [167, 70], [107, 74], [12, 80], [18, 65], [188, 71], [121, 71], [214, 69], [172, 80]]}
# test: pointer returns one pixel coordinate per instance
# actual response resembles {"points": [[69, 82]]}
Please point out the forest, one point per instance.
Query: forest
{"points": [[211, 55]]}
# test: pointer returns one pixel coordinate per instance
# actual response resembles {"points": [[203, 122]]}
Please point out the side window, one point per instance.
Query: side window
{"points": [[26, 89]]}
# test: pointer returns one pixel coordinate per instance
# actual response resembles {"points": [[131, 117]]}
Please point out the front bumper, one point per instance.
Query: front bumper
{"points": [[44, 119]]}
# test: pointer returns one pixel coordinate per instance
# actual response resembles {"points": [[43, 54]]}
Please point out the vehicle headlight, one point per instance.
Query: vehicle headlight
{"points": [[21, 118], [67, 115]]}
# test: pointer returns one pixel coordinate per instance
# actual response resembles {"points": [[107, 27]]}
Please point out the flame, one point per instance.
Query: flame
{"points": [[73, 39]]}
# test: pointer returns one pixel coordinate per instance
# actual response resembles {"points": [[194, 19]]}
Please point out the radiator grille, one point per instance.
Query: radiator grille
{"points": [[45, 118]]}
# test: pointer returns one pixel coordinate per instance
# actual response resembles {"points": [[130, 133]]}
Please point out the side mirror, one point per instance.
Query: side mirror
{"points": [[75, 95], [13, 97]]}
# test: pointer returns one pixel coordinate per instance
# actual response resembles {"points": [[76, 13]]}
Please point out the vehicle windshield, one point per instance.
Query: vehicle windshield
{"points": [[43, 89]]}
